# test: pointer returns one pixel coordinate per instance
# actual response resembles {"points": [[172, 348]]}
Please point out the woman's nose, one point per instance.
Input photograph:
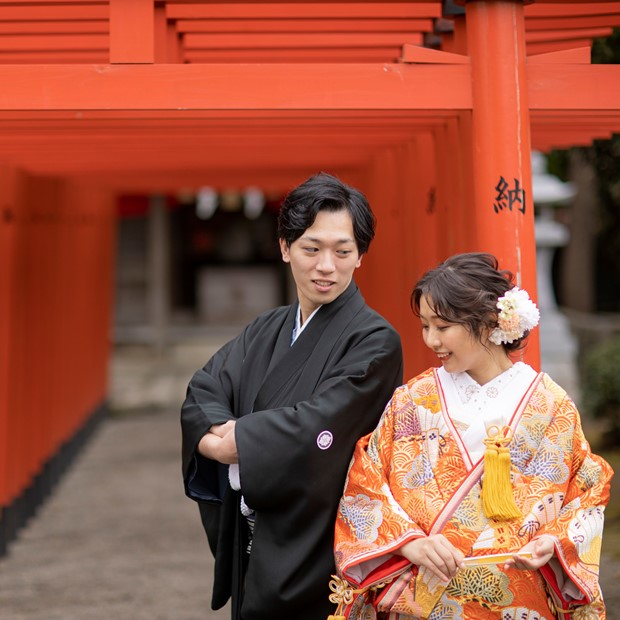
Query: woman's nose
{"points": [[432, 338]]}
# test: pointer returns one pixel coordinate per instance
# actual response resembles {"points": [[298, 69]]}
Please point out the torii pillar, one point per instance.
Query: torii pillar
{"points": [[503, 213]]}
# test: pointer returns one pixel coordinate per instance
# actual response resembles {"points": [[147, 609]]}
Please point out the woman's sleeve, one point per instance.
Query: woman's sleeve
{"points": [[371, 525], [572, 575]]}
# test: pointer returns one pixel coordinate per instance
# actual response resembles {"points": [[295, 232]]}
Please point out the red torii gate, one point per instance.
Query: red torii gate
{"points": [[151, 96]]}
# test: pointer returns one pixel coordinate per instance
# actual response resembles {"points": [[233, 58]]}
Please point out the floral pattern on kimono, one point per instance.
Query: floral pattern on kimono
{"points": [[409, 479]]}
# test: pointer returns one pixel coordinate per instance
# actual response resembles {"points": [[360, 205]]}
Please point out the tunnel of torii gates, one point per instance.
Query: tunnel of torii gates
{"points": [[430, 108]]}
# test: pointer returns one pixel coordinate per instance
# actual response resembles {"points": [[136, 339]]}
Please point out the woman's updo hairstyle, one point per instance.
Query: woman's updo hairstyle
{"points": [[464, 289]]}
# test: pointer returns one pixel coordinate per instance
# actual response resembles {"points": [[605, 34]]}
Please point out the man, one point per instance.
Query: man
{"points": [[270, 423]]}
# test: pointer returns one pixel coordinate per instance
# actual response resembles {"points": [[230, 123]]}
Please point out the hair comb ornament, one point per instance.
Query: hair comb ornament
{"points": [[517, 315]]}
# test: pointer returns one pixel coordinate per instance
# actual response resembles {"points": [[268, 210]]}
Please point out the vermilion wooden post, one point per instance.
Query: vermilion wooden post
{"points": [[503, 209], [132, 31], [419, 223], [8, 213]]}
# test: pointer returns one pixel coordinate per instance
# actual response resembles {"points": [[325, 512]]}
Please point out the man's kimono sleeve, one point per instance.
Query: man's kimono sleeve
{"points": [[371, 525], [209, 400], [578, 529]]}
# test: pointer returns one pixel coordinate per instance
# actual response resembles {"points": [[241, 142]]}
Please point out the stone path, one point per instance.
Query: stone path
{"points": [[117, 539]]}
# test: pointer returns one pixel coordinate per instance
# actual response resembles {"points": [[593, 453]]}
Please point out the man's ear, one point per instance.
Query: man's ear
{"points": [[359, 261], [284, 249]]}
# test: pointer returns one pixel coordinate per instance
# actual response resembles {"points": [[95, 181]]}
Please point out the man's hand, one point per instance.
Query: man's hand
{"points": [[434, 552], [219, 443]]}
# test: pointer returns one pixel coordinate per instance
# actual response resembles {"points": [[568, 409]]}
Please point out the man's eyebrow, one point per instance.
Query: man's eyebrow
{"points": [[318, 240]]}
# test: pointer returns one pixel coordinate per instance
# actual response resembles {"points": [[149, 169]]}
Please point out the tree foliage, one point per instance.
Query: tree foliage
{"points": [[605, 158]]}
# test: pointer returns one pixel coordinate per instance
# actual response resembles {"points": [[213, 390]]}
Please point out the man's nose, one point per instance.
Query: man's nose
{"points": [[326, 262]]}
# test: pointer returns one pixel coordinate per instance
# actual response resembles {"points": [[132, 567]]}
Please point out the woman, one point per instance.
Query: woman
{"points": [[479, 457]]}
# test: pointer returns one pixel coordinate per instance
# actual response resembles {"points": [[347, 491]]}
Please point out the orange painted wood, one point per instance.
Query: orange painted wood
{"points": [[55, 87], [167, 40], [572, 23], [365, 55], [8, 266], [310, 86], [419, 54], [547, 47], [501, 168], [10, 11], [387, 176], [132, 31], [56, 57], [577, 7], [69, 42], [563, 35], [407, 25], [312, 10], [59, 324], [574, 87], [578, 55], [54, 27], [297, 40]]}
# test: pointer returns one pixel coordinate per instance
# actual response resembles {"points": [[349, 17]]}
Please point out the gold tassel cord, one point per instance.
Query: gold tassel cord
{"points": [[342, 595], [497, 499]]}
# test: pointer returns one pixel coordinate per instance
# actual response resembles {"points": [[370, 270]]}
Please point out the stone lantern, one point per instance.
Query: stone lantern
{"points": [[558, 346]]}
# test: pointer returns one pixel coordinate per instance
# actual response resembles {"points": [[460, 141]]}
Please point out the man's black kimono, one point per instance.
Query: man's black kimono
{"points": [[299, 410]]}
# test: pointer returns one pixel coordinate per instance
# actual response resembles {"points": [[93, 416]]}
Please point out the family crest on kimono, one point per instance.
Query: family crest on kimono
{"points": [[269, 424], [477, 496]]}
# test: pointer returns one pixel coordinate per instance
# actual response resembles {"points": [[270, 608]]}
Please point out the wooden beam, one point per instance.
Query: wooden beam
{"points": [[574, 87], [578, 55], [564, 35], [549, 47], [302, 56], [292, 87], [55, 57], [424, 55], [297, 40], [572, 23], [54, 27], [553, 8], [235, 87], [132, 31], [304, 25], [52, 43], [311, 10], [10, 11]]}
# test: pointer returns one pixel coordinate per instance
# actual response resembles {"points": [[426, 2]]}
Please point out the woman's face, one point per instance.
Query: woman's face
{"points": [[458, 349]]}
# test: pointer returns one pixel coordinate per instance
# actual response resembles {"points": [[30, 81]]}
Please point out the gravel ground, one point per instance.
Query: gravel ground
{"points": [[118, 539]]}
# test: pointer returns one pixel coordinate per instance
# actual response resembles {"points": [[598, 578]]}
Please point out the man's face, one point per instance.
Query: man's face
{"points": [[323, 259]]}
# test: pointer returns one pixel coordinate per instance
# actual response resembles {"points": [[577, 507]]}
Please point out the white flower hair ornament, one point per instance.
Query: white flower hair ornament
{"points": [[517, 314]]}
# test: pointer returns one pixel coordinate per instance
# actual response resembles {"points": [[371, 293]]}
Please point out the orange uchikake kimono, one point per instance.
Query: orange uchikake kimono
{"points": [[414, 476]]}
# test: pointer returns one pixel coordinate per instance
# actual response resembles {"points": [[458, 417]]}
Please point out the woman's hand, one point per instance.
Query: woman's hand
{"points": [[434, 552], [542, 550]]}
